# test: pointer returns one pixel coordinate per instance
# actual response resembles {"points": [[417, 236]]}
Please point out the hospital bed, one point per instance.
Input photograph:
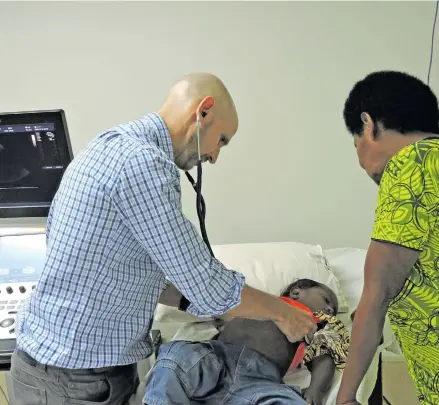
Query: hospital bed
{"points": [[270, 267]]}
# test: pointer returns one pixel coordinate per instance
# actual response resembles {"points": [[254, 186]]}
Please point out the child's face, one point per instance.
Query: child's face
{"points": [[316, 299]]}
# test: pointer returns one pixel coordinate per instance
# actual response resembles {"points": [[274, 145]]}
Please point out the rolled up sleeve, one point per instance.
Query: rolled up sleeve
{"points": [[148, 198]]}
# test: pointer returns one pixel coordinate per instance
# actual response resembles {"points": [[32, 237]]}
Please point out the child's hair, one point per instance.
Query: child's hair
{"points": [[305, 284]]}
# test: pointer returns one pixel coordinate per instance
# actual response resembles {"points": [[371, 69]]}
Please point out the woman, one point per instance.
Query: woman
{"points": [[393, 118]]}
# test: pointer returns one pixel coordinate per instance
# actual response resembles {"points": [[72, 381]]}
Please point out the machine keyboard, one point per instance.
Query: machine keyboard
{"points": [[9, 306]]}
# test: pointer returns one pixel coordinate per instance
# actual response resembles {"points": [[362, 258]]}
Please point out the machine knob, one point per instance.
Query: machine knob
{"points": [[7, 322], [22, 289], [9, 290], [33, 287]]}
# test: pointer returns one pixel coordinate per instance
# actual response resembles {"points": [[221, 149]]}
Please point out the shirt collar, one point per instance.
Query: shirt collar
{"points": [[161, 135]]}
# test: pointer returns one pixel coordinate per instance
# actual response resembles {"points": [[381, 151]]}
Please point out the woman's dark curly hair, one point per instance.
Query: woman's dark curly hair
{"points": [[397, 100]]}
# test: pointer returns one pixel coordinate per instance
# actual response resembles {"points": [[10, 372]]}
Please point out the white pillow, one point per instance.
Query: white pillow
{"points": [[269, 267], [348, 266]]}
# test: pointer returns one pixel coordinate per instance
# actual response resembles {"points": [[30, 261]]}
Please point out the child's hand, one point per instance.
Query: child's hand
{"points": [[313, 396]]}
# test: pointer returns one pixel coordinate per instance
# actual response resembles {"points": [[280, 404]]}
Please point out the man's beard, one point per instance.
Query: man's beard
{"points": [[187, 157], [186, 164]]}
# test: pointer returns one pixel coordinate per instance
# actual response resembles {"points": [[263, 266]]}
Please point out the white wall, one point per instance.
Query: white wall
{"points": [[291, 172]]}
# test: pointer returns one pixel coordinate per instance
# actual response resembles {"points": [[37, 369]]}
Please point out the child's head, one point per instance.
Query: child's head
{"points": [[316, 296]]}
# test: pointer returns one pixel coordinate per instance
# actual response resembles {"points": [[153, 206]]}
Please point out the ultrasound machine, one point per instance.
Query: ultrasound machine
{"points": [[34, 154]]}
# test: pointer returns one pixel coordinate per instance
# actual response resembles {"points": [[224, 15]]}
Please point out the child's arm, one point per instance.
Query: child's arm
{"points": [[170, 296], [322, 371]]}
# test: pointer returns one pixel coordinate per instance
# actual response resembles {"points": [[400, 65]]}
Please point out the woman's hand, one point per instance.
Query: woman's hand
{"points": [[345, 400]]}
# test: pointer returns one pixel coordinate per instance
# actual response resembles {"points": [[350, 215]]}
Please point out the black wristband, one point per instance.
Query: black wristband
{"points": [[184, 304]]}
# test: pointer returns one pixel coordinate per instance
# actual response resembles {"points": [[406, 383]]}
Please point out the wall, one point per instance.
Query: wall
{"points": [[291, 172]]}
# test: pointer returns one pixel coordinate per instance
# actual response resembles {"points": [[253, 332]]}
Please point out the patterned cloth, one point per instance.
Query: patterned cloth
{"points": [[407, 214], [333, 340], [115, 233]]}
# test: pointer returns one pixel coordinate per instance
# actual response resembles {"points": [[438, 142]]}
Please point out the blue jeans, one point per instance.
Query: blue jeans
{"points": [[213, 372]]}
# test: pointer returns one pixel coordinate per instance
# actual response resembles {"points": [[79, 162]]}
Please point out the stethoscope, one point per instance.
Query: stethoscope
{"points": [[201, 210], [200, 203]]}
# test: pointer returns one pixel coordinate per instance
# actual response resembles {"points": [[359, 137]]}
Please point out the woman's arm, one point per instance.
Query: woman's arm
{"points": [[386, 269]]}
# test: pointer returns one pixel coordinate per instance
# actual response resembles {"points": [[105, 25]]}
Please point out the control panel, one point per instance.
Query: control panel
{"points": [[21, 262], [12, 298]]}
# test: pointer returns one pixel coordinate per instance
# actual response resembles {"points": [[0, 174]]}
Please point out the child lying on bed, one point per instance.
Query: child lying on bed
{"points": [[246, 362]]}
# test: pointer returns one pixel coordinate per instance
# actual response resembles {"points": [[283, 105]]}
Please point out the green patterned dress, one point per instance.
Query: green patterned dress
{"points": [[407, 214]]}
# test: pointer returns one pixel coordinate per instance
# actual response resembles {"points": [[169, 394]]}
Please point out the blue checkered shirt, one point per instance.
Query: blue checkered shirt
{"points": [[115, 234]]}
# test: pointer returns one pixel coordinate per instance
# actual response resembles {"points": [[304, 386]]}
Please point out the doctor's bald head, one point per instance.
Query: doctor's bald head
{"points": [[205, 97]]}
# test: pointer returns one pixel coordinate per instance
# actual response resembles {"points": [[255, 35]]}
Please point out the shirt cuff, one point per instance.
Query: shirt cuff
{"points": [[235, 283], [417, 243]]}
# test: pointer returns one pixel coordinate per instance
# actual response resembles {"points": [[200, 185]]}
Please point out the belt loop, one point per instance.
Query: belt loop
{"points": [[40, 366]]}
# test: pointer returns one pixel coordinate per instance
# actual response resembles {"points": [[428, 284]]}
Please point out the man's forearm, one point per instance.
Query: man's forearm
{"points": [[254, 304], [366, 335]]}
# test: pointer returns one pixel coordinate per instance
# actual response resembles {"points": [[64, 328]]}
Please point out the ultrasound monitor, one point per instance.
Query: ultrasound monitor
{"points": [[34, 154]]}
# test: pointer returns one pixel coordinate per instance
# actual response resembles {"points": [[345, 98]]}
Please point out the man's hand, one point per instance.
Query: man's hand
{"points": [[293, 322], [313, 396], [297, 324]]}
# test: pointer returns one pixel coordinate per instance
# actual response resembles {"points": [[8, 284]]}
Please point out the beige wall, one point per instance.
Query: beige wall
{"points": [[291, 173]]}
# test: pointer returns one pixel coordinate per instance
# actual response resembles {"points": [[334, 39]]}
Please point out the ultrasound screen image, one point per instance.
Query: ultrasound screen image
{"points": [[31, 164]]}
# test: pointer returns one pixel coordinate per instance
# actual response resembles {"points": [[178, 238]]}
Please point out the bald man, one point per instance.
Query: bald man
{"points": [[115, 236]]}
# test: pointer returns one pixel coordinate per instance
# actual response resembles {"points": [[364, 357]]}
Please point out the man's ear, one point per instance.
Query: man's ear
{"points": [[206, 105]]}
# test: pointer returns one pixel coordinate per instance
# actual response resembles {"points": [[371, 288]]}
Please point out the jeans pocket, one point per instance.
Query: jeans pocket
{"points": [[87, 392], [28, 395], [94, 391], [113, 387]]}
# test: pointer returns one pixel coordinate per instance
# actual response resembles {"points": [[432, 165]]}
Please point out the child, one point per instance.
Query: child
{"points": [[246, 362]]}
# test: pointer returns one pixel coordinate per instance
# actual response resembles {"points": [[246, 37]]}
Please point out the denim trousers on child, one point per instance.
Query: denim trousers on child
{"points": [[216, 373]]}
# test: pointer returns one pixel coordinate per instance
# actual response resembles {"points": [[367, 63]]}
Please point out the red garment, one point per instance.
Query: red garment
{"points": [[300, 353]]}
